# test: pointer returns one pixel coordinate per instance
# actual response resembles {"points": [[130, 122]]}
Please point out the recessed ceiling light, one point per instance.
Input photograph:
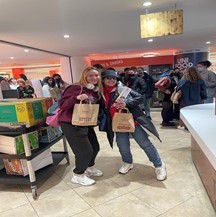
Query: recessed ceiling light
{"points": [[208, 42], [147, 4], [26, 50], [11, 58], [66, 36], [150, 40]]}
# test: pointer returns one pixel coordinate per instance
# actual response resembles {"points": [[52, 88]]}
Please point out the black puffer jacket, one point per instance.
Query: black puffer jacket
{"points": [[133, 102], [136, 83]]}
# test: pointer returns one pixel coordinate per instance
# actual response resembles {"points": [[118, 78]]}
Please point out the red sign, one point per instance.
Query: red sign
{"points": [[138, 61]]}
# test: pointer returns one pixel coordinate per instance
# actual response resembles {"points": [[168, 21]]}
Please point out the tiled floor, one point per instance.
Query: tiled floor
{"points": [[136, 194]]}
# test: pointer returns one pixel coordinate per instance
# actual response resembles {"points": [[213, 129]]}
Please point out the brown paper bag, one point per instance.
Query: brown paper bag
{"points": [[123, 122], [85, 114]]}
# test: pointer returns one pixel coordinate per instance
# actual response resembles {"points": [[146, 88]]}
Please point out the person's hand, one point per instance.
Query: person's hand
{"points": [[120, 104], [82, 97], [167, 91]]}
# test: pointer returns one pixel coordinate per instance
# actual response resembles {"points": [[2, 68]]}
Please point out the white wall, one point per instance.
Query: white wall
{"points": [[79, 63]]}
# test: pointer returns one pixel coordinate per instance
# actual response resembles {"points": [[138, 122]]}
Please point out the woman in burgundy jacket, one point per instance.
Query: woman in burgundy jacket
{"points": [[82, 140]]}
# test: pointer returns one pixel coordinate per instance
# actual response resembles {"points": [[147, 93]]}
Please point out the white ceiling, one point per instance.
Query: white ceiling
{"points": [[22, 58], [101, 26]]}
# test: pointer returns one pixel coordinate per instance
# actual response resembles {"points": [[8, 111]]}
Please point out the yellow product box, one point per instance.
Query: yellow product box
{"points": [[28, 111]]}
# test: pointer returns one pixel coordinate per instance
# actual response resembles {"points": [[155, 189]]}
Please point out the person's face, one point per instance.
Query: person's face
{"points": [[50, 81], [200, 68], [93, 77], [131, 72], [57, 78], [21, 84], [110, 81]]}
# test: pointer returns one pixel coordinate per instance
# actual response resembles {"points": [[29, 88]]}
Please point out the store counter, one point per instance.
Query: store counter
{"points": [[201, 122]]}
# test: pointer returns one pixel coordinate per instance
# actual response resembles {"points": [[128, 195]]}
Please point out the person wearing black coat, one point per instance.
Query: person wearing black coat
{"points": [[110, 104], [149, 90]]}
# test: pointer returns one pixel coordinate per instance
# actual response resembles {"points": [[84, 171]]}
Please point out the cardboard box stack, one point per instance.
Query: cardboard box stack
{"points": [[19, 166], [15, 145], [28, 111]]}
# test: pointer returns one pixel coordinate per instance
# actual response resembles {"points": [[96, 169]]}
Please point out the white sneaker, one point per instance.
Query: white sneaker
{"points": [[181, 127], [92, 171], [125, 168], [82, 180], [161, 172]]}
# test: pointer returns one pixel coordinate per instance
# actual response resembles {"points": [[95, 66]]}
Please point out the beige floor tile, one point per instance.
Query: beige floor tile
{"points": [[127, 206], [66, 204], [52, 186], [87, 213], [101, 192], [139, 176], [11, 197], [163, 195], [22, 211], [194, 207]]}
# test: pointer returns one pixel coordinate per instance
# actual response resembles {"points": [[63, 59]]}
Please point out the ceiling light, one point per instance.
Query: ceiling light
{"points": [[150, 40], [66, 36], [147, 4], [208, 42], [26, 50], [11, 58]]}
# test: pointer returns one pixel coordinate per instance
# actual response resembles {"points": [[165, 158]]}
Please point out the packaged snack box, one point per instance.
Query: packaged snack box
{"points": [[19, 166], [23, 111], [49, 134], [15, 145]]}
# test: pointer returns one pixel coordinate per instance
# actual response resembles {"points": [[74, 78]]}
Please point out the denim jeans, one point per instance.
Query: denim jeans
{"points": [[146, 104], [143, 141]]}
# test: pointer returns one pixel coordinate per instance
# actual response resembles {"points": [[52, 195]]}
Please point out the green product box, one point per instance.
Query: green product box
{"points": [[15, 145]]}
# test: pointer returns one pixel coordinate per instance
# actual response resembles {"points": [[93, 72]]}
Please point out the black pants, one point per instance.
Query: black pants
{"points": [[167, 111], [84, 144]]}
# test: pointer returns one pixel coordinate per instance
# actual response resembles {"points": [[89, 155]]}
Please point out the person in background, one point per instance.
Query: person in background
{"points": [[82, 140], [13, 83], [193, 89], [167, 86], [122, 75], [112, 69], [109, 106], [24, 90], [62, 85], [149, 90], [134, 69], [4, 84], [135, 82], [209, 78], [24, 77], [176, 75], [49, 88], [99, 67]]}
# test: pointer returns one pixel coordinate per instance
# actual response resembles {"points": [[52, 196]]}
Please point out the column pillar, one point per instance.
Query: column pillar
{"points": [[79, 63], [66, 69]]}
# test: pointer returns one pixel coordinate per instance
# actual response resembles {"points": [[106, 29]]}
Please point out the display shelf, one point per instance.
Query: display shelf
{"points": [[19, 130], [40, 174], [42, 147]]}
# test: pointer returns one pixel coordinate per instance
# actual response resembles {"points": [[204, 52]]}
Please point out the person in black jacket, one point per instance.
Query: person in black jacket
{"points": [[24, 90], [133, 81], [110, 104], [149, 90]]}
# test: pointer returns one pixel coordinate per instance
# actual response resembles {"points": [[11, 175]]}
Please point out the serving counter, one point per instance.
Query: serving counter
{"points": [[201, 122]]}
